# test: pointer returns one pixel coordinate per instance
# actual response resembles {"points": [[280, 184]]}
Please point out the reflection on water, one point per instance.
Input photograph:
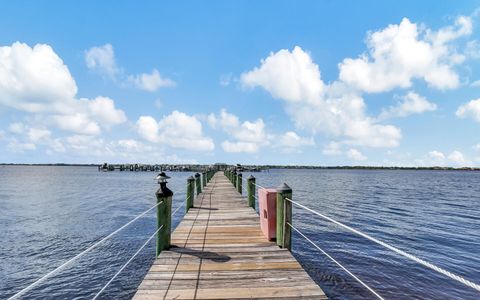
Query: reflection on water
{"points": [[50, 214]]}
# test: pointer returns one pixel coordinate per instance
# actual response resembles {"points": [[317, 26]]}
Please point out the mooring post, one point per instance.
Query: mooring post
{"points": [[198, 183], [190, 193], [204, 179], [234, 178], [284, 216], [239, 183], [251, 191], [164, 213]]}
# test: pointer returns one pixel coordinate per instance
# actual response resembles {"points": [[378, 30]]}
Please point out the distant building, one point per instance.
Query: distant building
{"points": [[220, 166]]}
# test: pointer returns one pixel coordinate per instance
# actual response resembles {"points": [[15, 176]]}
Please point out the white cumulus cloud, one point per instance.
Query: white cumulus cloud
{"points": [[151, 82], [332, 148], [412, 103], [35, 80], [288, 75], [290, 142], [249, 136], [400, 53], [237, 147], [177, 130], [102, 59], [293, 77], [356, 155], [457, 157], [436, 155], [470, 110]]}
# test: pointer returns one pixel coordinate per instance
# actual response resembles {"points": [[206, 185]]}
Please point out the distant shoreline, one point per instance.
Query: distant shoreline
{"points": [[267, 167]]}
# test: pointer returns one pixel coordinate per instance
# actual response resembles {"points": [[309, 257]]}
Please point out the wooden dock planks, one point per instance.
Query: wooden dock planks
{"points": [[219, 252]]}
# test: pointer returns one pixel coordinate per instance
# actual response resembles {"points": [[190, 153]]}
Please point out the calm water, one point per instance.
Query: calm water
{"points": [[49, 214]]}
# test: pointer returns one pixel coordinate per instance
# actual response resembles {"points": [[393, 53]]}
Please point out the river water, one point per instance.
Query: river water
{"points": [[50, 214]]}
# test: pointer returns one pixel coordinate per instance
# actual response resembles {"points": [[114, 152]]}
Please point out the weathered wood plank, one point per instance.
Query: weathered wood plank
{"points": [[219, 252]]}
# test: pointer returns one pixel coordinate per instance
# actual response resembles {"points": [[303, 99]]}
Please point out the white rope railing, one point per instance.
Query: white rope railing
{"points": [[336, 262], [127, 263], [62, 266], [259, 186], [136, 253], [244, 188], [394, 249], [181, 205]]}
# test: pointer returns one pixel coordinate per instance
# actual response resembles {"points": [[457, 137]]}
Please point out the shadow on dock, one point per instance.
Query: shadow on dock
{"points": [[201, 254]]}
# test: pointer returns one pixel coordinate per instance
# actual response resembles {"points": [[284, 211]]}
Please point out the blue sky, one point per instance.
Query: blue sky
{"points": [[261, 82]]}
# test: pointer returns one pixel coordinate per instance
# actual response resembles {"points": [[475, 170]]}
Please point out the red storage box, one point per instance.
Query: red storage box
{"points": [[267, 201]]}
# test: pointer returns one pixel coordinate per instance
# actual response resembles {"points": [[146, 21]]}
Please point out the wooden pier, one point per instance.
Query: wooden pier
{"points": [[219, 252]]}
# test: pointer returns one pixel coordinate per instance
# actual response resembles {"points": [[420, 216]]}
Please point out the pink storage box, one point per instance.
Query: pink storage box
{"points": [[267, 201]]}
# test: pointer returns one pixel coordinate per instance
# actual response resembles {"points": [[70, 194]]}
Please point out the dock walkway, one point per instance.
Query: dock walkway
{"points": [[219, 252]]}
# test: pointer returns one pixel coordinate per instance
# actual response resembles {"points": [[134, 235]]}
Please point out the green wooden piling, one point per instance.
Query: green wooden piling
{"points": [[190, 193], [284, 215], [204, 179], [251, 191], [234, 178], [198, 183], [164, 214], [239, 183]]}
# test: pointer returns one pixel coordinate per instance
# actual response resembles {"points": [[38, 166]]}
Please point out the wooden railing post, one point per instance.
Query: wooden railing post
{"points": [[198, 183], [239, 183], [204, 178], [190, 193], [234, 178], [284, 216], [251, 191], [164, 213]]}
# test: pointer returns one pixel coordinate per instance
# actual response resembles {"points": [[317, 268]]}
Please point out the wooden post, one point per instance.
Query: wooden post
{"points": [[239, 183], [164, 213], [204, 177], [251, 191], [190, 193], [198, 183], [234, 178], [284, 215]]}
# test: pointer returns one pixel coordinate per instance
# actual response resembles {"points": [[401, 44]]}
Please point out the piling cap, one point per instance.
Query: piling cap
{"points": [[284, 188], [162, 177], [250, 177], [197, 175], [190, 178]]}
